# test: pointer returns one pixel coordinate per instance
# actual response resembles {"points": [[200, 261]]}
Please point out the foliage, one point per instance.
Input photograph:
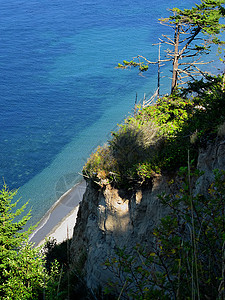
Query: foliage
{"points": [[133, 144], [186, 259], [127, 150], [205, 15], [156, 139], [22, 272], [142, 66], [169, 113], [101, 166], [54, 251], [71, 284]]}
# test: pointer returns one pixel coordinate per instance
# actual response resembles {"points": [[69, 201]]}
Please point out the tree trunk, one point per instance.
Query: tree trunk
{"points": [[175, 58], [223, 84], [159, 71]]}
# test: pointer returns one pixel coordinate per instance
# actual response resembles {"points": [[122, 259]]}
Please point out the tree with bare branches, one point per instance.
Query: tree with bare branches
{"points": [[194, 31]]}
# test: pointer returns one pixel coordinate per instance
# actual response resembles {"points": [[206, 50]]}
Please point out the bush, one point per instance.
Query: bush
{"points": [[117, 161], [101, 167], [133, 144]]}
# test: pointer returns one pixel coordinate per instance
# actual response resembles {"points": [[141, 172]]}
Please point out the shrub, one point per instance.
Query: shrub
{"points": [[101, 166], [129, 146], [169, 113], [132, 144]]}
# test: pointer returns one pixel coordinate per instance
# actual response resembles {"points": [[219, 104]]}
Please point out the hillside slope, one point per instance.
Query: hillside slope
{"points": [[109, 218], [121, 207]]}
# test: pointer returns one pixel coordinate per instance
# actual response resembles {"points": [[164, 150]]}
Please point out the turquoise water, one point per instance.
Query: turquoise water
{"points": [[60, 92]]}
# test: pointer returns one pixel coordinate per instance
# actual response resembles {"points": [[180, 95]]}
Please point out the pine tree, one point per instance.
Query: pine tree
{"points": [[22, 271]]}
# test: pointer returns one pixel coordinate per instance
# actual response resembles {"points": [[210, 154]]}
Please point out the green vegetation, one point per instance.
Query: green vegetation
{"points": [[22, 271], [156, 140], [33, 273], [186, 259], [72, 285]]}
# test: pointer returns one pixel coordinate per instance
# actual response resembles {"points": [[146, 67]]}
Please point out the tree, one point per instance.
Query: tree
{"points": [[200, 23], [187, 26], [22, 271]]}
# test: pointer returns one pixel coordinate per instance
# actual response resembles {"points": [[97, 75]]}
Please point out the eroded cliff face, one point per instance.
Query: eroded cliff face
{"points": [[109, 218]]}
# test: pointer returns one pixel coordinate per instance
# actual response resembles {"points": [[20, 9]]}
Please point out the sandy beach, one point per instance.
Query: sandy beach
{"points": [[59, 221]]}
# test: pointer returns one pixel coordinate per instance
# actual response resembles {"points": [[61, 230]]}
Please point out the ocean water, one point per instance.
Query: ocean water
{"points": [[61, 95]]}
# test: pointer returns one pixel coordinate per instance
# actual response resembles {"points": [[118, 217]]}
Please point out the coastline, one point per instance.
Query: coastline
{"points": [[59, 221]]}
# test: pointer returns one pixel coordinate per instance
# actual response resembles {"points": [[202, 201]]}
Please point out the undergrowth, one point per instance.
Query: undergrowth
{"points": [[157, 138]]}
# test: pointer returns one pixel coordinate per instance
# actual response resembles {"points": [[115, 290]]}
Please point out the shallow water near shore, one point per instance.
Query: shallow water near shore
{"points": [[61, 95]]}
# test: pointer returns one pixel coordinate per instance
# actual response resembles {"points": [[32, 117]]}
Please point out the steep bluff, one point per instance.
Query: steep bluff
{"points": [[109, 217]]}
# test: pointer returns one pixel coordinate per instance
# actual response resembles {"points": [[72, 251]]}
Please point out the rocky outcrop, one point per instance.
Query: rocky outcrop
{"points": [[109, 218]]}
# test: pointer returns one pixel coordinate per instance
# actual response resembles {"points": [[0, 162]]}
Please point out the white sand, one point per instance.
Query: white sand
{"points": [[59, 221]]}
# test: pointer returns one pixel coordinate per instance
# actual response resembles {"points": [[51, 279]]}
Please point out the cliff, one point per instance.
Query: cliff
{"points": [[109, 217]]}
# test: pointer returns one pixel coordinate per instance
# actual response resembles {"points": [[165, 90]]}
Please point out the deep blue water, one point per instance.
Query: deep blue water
{"points": [[60, 93]]}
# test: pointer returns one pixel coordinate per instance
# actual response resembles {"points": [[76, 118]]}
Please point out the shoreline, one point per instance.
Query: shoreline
{"points": [[60, 219]]}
